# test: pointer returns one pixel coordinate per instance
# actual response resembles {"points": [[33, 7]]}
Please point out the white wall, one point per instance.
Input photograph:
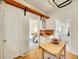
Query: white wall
{"points": [[29, 5], [68, 14]]}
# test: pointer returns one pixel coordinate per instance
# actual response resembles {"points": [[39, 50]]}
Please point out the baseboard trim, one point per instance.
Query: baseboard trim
{"points": [[26, 53], [74, 53], [18, 57]]}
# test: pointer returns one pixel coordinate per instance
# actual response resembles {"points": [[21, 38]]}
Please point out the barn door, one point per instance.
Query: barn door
{"points": [[1, 30], [11, 32]]}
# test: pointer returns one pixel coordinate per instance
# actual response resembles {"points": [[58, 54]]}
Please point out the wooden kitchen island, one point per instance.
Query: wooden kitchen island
{"points": [[54, 49]]}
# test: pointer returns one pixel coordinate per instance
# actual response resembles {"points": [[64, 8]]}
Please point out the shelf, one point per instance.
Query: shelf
{"points": [[46, 33]]}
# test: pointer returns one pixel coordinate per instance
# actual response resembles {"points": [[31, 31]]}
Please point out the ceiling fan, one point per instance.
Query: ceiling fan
{"points": [[60, 5]]}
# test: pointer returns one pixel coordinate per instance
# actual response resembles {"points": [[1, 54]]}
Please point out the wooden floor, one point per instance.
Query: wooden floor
{"points": [[37, 54]]}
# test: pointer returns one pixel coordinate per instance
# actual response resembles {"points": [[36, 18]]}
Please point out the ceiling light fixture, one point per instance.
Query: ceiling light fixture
{"points": [[61, 5], [51, 4]]}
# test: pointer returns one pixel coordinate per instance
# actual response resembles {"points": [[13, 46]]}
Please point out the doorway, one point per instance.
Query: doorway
{"points": [[66, 34], [62, 32], [34, 31]]}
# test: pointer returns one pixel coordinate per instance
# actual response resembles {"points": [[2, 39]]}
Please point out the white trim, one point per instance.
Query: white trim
{"points": [[25, 53], [74, 53]]}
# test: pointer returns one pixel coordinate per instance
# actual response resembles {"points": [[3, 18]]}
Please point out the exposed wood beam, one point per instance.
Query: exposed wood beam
{"points": [[21, 6]]}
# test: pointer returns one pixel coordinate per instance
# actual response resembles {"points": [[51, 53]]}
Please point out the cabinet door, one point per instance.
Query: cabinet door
{"points": [[11, 32]]}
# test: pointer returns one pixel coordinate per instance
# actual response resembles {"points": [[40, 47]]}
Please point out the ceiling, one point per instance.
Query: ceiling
{"points": [[44, 5], [41, 4]]}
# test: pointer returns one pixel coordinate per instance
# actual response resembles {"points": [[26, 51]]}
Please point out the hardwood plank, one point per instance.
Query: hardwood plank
{"points": [[37, 54]]}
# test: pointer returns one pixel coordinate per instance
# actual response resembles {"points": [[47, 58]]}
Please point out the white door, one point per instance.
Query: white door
{"points": [[1, 31], [11, 32]]}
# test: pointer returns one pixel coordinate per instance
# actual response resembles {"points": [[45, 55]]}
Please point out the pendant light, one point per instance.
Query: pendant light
{"points": [[43, 22]]}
